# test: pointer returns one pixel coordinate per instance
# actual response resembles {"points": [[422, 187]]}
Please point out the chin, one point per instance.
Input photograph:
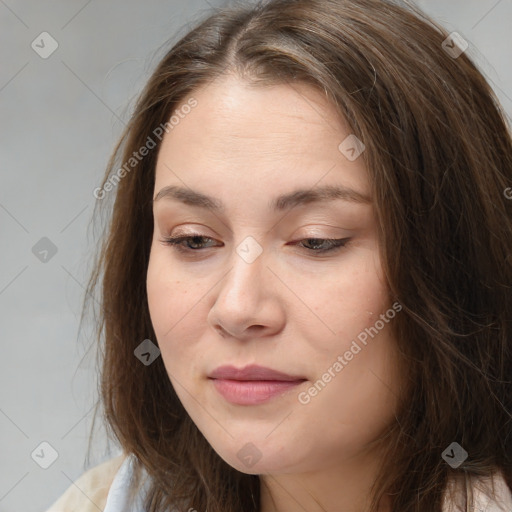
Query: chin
{"points": [[254, 457]]}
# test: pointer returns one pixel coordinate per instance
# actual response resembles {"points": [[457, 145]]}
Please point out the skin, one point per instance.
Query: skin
{"points": [[289, 309]]}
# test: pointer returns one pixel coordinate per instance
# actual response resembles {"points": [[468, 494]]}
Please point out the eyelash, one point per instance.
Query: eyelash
{"points": [[177, 241]]}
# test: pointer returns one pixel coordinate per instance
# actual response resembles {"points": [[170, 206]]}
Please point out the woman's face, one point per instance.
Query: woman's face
{"points": [[255, 288]]}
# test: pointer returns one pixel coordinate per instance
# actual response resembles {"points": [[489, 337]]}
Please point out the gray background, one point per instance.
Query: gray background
{"points": [[60, 119]]}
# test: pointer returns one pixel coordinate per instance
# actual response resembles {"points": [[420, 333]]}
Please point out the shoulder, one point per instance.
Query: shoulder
{"points": [[490, 493], [89, 492]]}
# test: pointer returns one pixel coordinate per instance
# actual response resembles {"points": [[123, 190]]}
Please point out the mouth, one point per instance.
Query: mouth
{"points": [[252, 384]]}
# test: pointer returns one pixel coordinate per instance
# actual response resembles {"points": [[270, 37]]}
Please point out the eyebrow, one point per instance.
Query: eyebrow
{"points": [[292, 199]]}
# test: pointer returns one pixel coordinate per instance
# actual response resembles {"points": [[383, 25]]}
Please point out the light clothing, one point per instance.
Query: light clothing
{"points": [[105, 487], [502, 502], [117, 499], [90, 491]]}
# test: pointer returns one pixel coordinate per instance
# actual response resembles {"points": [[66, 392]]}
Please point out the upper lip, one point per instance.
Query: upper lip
{"points": [[251, 372]]}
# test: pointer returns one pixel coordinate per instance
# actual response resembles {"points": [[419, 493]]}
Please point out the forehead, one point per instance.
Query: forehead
{"points": [[265, 135], [231, 107], [231, 95]]}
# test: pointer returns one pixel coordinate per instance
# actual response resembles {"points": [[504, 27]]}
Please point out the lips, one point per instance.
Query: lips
{"points": [[252, 372], [252, 385]]}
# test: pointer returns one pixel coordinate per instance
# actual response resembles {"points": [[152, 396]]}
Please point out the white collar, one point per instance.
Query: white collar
{"points": [[117, 499]]}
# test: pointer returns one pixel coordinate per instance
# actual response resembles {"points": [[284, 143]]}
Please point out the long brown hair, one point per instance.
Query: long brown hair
{"points": [[439, 158]]}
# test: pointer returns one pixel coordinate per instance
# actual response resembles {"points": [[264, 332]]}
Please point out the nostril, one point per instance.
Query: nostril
{"points": [[220, 330]]}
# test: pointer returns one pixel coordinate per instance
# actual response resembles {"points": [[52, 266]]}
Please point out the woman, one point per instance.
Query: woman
{"points": [[306, 278]]}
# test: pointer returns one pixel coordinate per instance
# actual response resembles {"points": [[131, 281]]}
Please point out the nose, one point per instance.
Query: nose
{"points": [[248, 301]]}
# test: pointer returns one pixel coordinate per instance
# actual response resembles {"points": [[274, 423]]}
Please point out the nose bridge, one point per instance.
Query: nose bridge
{"points": [[248, 266], [249, 250], [247, 297]]}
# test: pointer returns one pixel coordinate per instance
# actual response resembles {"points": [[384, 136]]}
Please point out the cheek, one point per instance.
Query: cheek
{"points": [[170, 295], [178, 315], [367, 372], [161, 289], [345, 306], [170, 302]]}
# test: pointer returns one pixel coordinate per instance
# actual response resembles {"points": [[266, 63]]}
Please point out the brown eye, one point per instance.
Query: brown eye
{"points": [[190, 243], [189, 240], [325, 244]]}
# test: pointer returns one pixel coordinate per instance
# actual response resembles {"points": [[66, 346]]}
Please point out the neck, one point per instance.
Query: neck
{"points": [[330, 489]]}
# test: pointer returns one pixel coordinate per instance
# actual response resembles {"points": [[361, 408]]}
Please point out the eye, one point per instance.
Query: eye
{"points": [[333, 244], [177, 242], [183, 243]]}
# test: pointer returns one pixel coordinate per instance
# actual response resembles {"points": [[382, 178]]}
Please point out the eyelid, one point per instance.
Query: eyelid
{"points": [[317, 231], [335, 245], [309, 235]]}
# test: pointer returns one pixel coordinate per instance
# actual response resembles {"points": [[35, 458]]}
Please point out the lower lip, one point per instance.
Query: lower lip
{"points": [[251, 392]]}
